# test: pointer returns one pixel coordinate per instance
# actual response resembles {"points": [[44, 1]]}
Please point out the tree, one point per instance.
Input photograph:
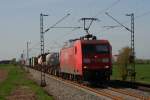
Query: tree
{"points": [[123, 62], [13, 61]]}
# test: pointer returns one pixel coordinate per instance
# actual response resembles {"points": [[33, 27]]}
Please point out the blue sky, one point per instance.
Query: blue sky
{"points": [[19, 23]]}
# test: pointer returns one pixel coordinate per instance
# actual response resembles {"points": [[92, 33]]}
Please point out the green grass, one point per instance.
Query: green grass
{"points": [[17, 77], [142, 73]]}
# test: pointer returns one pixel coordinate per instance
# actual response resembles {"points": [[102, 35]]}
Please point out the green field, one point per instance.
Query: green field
{"points": [[142, 73], [18, 77]]}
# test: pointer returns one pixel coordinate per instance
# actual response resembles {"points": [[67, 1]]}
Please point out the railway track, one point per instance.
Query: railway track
{"points": [[106, 93], [103, 92], [129, 93], [81, 86], [135, 85]]}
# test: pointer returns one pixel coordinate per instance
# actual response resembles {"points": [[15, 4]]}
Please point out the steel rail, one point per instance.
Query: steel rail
{"points": [[99, 92], [81, 86], [129, 93]]}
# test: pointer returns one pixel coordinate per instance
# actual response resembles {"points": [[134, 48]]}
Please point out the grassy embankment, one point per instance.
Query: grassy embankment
{"points": [[142, 73], [18, 77]]}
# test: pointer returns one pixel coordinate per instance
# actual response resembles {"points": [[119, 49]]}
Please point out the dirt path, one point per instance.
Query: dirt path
{"points": [[22, 93], [3, 75]]}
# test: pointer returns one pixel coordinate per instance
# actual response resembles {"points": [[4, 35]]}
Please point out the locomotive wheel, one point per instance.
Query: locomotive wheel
{"points": [[108, 78], [79, 79]]}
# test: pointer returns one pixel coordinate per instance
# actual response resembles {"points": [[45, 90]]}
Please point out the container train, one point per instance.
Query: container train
{"points": [[84, 59]]}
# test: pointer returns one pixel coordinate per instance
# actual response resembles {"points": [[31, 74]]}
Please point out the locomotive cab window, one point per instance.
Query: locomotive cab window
{"points": [[102, 49], [97, 48], [88, 48]]}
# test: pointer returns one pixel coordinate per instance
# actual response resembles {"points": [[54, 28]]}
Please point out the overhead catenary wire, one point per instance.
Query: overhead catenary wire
{"points": [[57, 22], [62, 36], [143, 15], [139, 16], [50, 28], [54, 25], [68, 33], [109, 7], [136, 17], [102, 11], [117, 21], [111, 26], [116, 26], [37, 44]]}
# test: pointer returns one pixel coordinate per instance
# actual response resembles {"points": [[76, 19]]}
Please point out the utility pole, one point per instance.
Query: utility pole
{"points": [[132, 55], [43, 82], [27, 62], [22, 59], [42, 31]]}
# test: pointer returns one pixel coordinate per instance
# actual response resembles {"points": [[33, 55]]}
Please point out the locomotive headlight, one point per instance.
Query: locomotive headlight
{"points": [[106, 66], [105, 60], [86, 60], [85, 67]]}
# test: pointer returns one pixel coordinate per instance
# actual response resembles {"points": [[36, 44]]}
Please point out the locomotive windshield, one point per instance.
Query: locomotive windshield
{"points": [[98, 49]]}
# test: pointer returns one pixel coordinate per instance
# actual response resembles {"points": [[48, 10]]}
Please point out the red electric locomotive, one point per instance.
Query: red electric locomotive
{"points": [[87, 59]]}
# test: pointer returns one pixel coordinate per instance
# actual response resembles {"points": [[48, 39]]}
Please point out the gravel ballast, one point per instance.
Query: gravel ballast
{"points": [[65, 91]]}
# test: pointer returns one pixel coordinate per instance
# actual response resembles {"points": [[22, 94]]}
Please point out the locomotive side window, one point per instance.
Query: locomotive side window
{"points": [[75, 50]]}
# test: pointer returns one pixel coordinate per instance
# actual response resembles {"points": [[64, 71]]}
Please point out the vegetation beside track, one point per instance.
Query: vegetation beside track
{"points": [[142, 73], [19, 77]]}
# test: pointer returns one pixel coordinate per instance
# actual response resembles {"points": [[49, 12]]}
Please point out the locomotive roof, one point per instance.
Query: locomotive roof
{"points": [[71, 43], [94, 41]]}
